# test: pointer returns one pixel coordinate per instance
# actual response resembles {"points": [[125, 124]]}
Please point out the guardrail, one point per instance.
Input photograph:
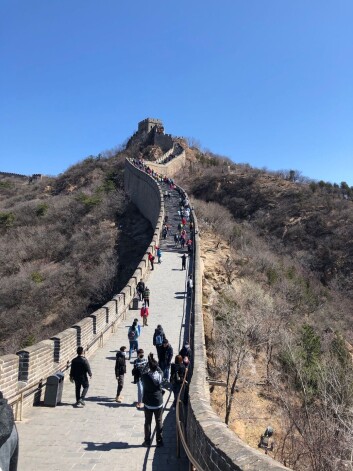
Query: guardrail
{"points": [[180, 420]]}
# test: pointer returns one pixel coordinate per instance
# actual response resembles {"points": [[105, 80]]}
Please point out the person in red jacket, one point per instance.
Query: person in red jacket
{"points": [[151, 259], [144, 314]]}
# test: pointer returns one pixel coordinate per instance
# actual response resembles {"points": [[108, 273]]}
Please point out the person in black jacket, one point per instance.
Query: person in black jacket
{"points": [[78, 373], [153, 400], [177, 374], [140, 288], [120, 370], [8, 437], [186, 351], [166, 358]]}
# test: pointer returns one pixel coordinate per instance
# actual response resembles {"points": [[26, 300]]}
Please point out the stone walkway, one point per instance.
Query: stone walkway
{"points": [[104, 435]]}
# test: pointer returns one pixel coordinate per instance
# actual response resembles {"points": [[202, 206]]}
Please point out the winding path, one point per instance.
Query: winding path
{"points": [[106, 436]]}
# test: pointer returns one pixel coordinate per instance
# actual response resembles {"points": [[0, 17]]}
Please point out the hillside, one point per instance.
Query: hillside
{"points": [[277, 303], [67, 245]]}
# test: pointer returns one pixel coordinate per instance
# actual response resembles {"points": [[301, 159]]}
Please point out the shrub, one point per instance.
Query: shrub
{"points": [[6, 219], [42, 208], [37, 277]]}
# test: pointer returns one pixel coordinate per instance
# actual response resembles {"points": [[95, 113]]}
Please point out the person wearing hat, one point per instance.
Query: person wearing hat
{"points": [[166, 359], [140, 365], [8, 437], [120, 370]]}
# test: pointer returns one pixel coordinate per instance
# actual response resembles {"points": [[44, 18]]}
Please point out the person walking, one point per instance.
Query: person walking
{"points": [[166, 358], [120, 370], [138, 327], [140, 366], [144, 314], [151, 260], [140, 288], [79, 371], [186, 351], [190, 285], [176, 239], [177, 374], [158, 338], [159, 255], [133, 336], [183, 262], [153, 400], [146, 297], [8, 437]]}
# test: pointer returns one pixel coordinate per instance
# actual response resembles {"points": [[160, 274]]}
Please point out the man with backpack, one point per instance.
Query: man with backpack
{"points": [[8, 437], [120, 370], [133, 336], [146, 297], [158, 338], [153, 400], [140, 288]]}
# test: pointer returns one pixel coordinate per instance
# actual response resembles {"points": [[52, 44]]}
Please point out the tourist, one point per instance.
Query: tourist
{"points": [[144, 314], [190, 285], [153, 400], [133, 335], [151, 259], [177, 375], [120, 370], [146, 297], [140, 365], [140, 288], [158, 338], [166, 358], [186, 351], [183, 262], [78, 373], [159, 254]]}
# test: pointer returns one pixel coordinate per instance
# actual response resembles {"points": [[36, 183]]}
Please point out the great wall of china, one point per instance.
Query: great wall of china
{"points": [[23, 375]]}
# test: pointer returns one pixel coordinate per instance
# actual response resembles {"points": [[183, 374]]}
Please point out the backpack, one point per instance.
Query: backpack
{"points": [[159, 340], [176, 379], [131, 334], [136, 373]]}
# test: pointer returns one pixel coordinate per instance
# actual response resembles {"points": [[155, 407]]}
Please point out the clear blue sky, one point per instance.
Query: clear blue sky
{"points": [[269, 83]]}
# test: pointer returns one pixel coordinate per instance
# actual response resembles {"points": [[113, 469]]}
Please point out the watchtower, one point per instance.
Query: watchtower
{"points": [[148, 124]]}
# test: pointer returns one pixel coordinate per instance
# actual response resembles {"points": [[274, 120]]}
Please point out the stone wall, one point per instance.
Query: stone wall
{"points": [[171, 168], [29, 368], [213, 445]]}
